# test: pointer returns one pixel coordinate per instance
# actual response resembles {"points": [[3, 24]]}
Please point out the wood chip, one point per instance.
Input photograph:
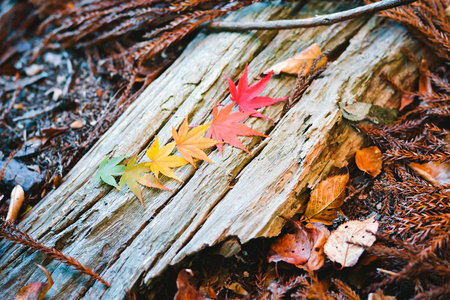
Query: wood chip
{"points": [[77, 124], [17, 197]]}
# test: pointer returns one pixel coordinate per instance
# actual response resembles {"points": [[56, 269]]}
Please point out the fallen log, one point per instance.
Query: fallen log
{"points": [[239, 197]]}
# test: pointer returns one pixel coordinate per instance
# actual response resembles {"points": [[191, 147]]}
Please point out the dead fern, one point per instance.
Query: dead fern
{"points": [[425, 18], [303, 81], [408, 262], [126, 37], [10, 232]]}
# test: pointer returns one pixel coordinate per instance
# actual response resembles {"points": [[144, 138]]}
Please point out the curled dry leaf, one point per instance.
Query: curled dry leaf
{"points": [[358, 111], [435, 172], [379, 295], [425, 78], [326, 199], [447, 12], [369, 160], [346, 244], [17, 197], [35, 290], [318, 234], [237, 288], [76, 124], [303, 248], [294, 64], [185, 290], [293, 248], [407, 99]]}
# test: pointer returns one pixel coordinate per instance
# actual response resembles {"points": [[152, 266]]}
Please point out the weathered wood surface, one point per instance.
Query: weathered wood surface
{"points": [[129, 244]]}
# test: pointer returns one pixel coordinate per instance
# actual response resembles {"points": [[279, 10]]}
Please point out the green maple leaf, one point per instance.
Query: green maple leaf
{"points": [[108, 169], [135, 174]]}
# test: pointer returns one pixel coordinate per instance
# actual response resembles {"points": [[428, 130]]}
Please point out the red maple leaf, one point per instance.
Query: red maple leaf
{"points": [[226, 127], [246, 97]]}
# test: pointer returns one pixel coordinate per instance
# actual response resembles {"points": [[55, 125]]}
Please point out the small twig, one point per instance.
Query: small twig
{"points": [[36, 113], [22, 83], [69, 78], [387, 272], [12, 102], [323, 20], [10, 157]]}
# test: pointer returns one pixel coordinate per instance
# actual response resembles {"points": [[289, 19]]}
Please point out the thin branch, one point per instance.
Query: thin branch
{"points": [[323, 20]]}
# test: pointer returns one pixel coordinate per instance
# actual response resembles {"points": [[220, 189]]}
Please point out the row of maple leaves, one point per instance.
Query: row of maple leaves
{"points": [[225, 127], [325, 202]]}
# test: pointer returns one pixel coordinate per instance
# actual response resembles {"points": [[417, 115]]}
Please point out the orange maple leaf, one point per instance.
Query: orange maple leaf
{"points": [[190, 142]]}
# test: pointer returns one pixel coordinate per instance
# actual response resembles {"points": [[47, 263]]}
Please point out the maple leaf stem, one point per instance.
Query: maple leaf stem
{"points": [[323, 20]]}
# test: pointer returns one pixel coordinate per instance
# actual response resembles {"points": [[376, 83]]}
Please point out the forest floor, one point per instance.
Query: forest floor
{"points": [[56, 107]]}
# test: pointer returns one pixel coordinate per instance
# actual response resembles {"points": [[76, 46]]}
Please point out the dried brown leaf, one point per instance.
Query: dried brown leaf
{"points": [[379, 295], [435, 172], [425, 78], [293, 248], [326, 199], [36, 290], [185, 290], [76, 124], [369, 160], [407, 99], [294, 64], [237, 288], [303, 248], [318, 235], [346, 244]]}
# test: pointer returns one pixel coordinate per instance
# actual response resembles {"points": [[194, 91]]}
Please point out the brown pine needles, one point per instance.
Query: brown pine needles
{"points": [[10, 232], [126, 37], [426, 18], [415, 213], [429, 271]]}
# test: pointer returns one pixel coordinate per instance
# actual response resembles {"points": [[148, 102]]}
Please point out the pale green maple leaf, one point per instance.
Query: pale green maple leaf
{"points": [[108, 169]]}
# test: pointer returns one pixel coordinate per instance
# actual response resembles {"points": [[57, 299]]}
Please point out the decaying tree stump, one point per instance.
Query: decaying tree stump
{"points": [[239, 197]]}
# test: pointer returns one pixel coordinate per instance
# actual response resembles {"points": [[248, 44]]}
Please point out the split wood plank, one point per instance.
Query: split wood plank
{"points": [[130, 244]]}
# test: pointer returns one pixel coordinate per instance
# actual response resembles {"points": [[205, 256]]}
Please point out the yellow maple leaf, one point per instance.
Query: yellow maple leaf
{"points": [[161, 161], [190, 143]]}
